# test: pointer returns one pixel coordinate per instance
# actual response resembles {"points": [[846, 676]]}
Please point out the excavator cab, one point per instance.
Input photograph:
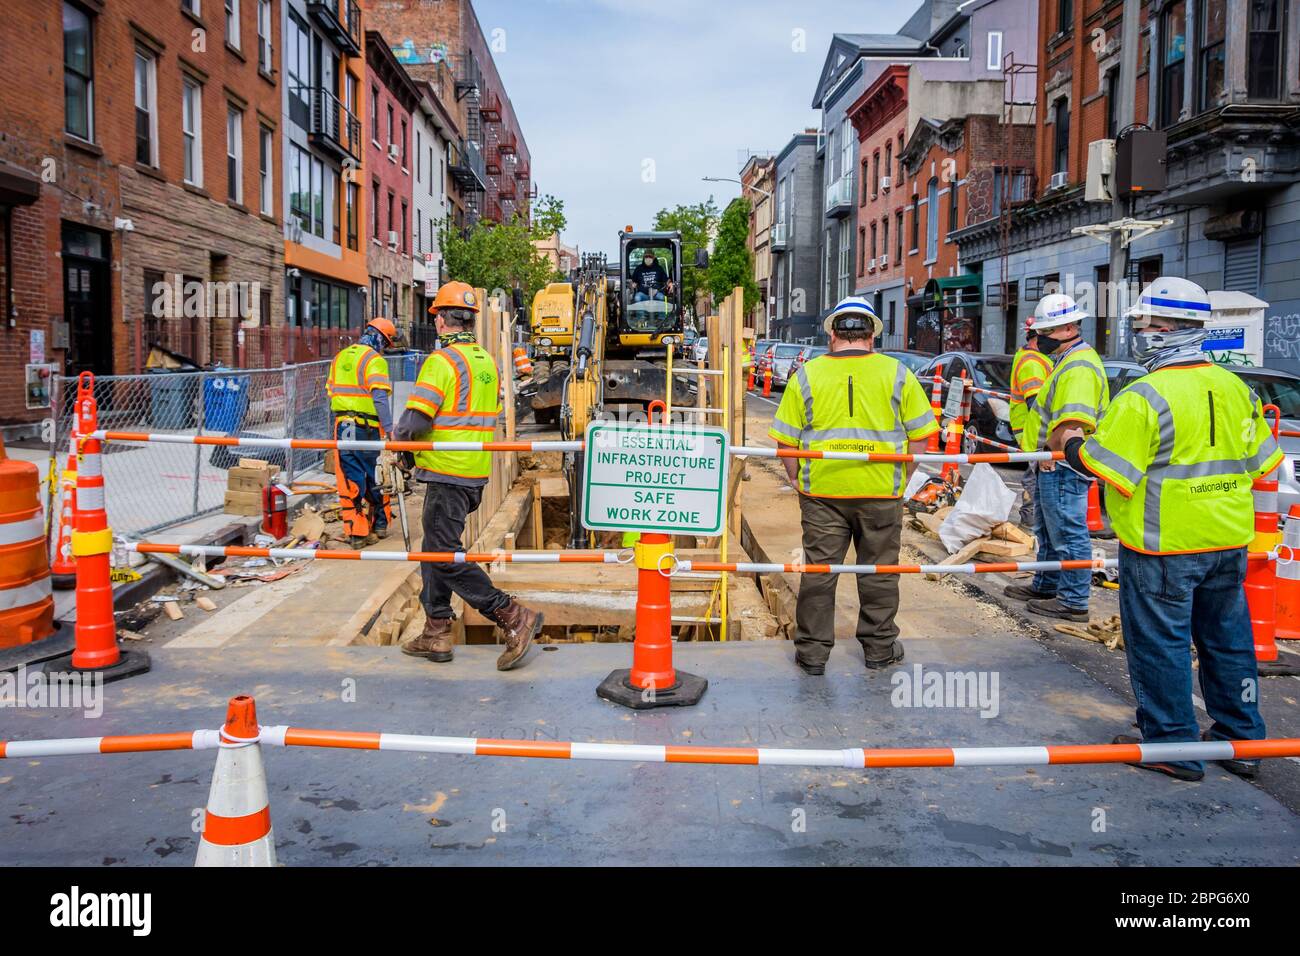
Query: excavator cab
{"points": [[650, 264]]}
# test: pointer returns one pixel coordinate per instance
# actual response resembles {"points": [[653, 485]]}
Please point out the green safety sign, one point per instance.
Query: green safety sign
{"points": [[661, 478]]}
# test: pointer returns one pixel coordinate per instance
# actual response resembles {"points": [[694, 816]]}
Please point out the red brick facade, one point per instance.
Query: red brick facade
{"points": [[880, 117]]}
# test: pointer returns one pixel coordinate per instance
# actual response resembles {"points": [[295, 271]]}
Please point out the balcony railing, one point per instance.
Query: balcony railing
{"points": [[490, 107], [467, 165], [839, 196], [523, 171], [333, 126], [340, 20], [492, 160], [507, 188], [508, 144], [778, 237]]}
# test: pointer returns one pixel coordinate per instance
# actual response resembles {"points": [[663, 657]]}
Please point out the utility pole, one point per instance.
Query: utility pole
{"points": [[1128, 70]]}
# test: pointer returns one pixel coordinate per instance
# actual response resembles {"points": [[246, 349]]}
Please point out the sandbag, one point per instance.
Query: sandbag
{"points": [[985, 503]]}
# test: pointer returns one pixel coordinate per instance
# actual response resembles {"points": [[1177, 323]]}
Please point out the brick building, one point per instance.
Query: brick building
{"points": [[1222, 79], [491, 168], [794, 239], [142, 127], [393, 99], [758, 185]]}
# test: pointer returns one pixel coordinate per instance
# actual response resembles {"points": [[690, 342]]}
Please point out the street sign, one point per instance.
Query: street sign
{"points": [[668, 479]]}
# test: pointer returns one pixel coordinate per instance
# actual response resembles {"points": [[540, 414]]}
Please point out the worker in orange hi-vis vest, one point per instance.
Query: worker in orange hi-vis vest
{"points": [[360, 393]]}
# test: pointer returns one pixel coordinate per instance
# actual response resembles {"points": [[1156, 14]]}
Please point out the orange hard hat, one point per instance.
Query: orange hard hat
{"points": [[455, 295], [384, 327]]}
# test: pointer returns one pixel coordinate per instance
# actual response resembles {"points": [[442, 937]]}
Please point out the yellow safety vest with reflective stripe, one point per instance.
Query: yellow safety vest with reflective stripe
{"points": [[1181, 447], [1029, 369], [1076, 390], [354, 373], [457, 388], [852, 401]]}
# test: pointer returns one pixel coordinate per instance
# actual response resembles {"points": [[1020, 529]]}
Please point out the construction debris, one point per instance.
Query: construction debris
{"points": [[1108, 632]]}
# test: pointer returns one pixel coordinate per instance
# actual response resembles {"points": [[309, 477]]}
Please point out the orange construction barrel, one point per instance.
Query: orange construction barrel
{"points": [[26, 603]]}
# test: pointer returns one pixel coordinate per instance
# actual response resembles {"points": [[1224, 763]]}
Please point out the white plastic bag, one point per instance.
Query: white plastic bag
{"points": [[985, 503]]}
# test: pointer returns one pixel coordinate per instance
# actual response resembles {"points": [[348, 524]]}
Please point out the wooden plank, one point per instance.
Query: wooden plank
{"points": [[539, 541]]}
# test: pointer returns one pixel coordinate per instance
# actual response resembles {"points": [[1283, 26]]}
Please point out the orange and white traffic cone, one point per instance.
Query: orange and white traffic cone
{"points": [[749, 386], [1095, 523], [951, 471], [1288, 580], [767, 381], [1261, 578], [237, 821], [63, 569], [936, 406], [96, 628]]}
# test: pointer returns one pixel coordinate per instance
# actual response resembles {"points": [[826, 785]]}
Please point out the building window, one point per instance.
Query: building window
{"points": [[847, 142], [953, 211], [916, 224], [192, 131], [884, 236], [900, 159], [995, 50], [1112, 104], [146, 115], [1264, 56], [932, 220], [353, 196], [1061, 141], [875, 174], [1214, 16], [1064, 15], [874, 236], [846, 256], [419, 158], [862, 251], [264, 35], [402, 229], [389, 217], [374, 114], [889, 158], [374, 211], [390, 139], [862, 192], [898, 237], [78, 73], [826, 271], [297, 62], [232, 23], [192, 6], [235, 155], [265, 168], [1173, 62]]}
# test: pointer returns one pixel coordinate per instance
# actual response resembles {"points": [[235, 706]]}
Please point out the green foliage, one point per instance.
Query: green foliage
{"points": [[732, 263], [497, 256], [548, 217], [697, 224]]}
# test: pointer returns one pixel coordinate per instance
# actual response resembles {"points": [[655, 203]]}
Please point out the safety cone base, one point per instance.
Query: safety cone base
{"points": [[618, 688], [129, 664], [1278, 668]]}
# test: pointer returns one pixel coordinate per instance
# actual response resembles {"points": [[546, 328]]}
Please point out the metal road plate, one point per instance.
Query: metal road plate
{"points": [[668, 479]]}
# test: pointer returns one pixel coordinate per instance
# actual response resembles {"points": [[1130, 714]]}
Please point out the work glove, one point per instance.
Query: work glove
{"points": [[406, 462], [387, 459]]}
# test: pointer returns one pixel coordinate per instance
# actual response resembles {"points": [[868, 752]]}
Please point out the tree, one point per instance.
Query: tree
{"points": [[733, 263], [548, 217], [496, 256], [697, 225]]}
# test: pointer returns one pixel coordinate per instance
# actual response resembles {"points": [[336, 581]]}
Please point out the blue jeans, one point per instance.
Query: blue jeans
{"points": [[1167, 603], [1061, 525], [642, 297]]}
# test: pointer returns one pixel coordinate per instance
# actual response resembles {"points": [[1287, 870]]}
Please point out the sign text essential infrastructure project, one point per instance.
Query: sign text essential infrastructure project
{"points": [[668, 479]]}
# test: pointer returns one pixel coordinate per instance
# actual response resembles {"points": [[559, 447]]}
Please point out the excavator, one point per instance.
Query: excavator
{"points": [[600, 342]]}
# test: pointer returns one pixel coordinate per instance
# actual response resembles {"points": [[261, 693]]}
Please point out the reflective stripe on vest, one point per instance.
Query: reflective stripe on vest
{"points": [[1210, 441], [345, 387], [1056, 401], [1029, 370], [457, 388]]}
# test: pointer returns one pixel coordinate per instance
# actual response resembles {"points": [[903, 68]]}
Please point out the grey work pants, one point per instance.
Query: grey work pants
{"points": [[874, 526]]}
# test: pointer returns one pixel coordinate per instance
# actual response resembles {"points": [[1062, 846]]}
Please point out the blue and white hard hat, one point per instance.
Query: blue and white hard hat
{"points": [[853, 314], [1170, 297], [1055, 310]]}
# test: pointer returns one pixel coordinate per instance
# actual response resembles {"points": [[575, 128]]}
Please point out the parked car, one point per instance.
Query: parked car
{"points": [[700, 349], [914, 360], [763, 350], [1274, 387], [806, 354], [990, 415], [783, 356]]}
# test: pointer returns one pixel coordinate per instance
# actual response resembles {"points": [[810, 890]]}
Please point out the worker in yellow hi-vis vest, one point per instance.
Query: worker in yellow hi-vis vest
{"points": [[456, 399], [360, 393], [1179, 450], [1029, 369], [857, 400], [1074, 394]]}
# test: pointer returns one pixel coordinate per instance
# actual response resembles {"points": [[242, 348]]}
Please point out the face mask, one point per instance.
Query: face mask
{"points": [[375, 339], [1051, 346], [1157, 349]]}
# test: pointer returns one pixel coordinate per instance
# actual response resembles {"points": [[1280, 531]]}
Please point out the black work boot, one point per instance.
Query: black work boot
{"points": [[1052, 607], [1022, 592], [1246, 769], [434, 641], [1177, 771], [519, 625], [882, 663]]}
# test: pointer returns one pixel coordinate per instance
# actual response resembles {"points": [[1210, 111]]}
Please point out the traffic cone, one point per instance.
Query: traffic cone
{"points": [[767, 381], [749, 386], [1261, 578], [1094, 508], [652, 680], [63, 570], [237, 821], [96, 628], [1288, 580], [936, 406]]}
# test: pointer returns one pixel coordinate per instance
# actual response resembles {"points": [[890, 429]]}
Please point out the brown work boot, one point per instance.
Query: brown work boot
{"points": [[434, 641], [520, 625]]}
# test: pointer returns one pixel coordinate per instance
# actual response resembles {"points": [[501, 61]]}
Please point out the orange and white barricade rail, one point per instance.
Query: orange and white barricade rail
{"points": [[992, 458], [426, 557], [995, 393], [999, 567], [849, 758], [994, 444]]}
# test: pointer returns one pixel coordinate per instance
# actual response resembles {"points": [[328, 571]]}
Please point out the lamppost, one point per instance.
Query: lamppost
{"points": [[767, 298]]}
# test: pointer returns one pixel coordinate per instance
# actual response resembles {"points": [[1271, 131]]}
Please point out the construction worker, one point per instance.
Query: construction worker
{"points": [[1178, 450], [851, 399], [1029, 369], [456, 398], [360, 393], [1074, 393]]}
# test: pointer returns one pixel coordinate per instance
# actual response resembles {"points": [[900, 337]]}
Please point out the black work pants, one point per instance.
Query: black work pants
{"points": [[443, 521]]}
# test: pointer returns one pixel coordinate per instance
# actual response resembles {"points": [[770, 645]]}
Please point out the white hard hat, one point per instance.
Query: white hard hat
{"points": [[854, 313], [1170, 297], [1055, 310]]}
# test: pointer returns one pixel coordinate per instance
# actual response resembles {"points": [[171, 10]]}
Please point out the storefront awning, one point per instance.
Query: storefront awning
{"points": [[952, 292], [17, 186]]}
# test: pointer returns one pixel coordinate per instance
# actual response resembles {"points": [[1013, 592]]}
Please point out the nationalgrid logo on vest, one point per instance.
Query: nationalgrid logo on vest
{"points": [[1209, 487]]}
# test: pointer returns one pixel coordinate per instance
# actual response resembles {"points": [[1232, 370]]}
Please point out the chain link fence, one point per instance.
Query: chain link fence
{"points": [[152, 486]]}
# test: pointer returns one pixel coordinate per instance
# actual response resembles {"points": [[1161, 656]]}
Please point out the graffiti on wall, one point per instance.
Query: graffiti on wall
{"points": [[1282, 336], [408, 52]]}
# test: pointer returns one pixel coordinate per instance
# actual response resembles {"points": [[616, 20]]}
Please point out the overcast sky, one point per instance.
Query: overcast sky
{"points": [[626, 104]]}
